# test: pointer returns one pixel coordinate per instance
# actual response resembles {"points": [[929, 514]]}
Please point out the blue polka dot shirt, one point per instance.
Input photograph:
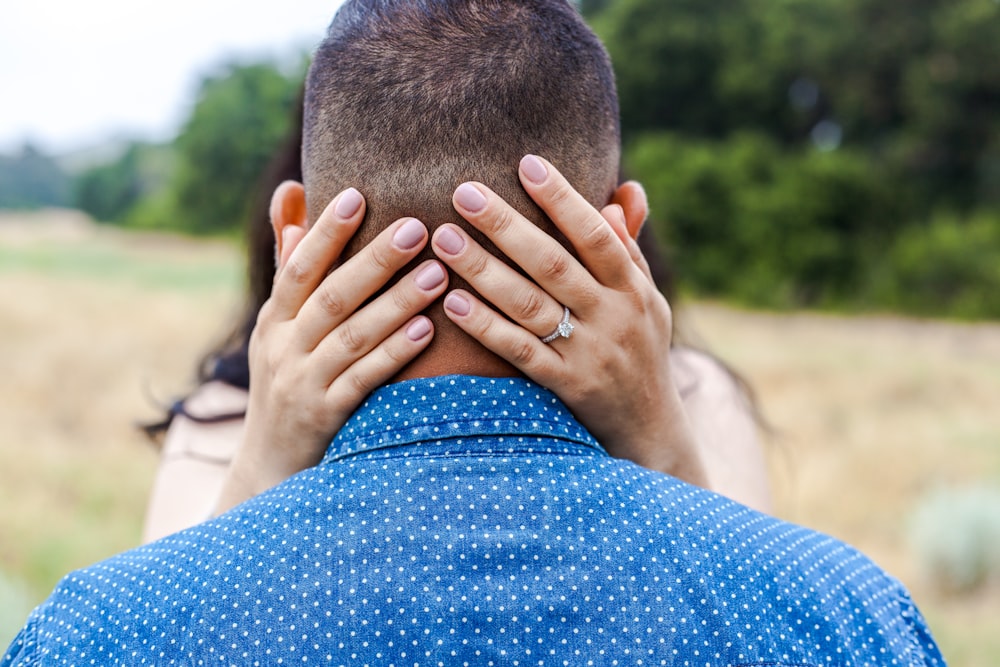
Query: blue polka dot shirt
{"points": [[474, 521]]}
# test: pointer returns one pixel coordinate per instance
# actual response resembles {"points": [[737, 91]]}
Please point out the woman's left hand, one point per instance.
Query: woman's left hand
{"points": [[614, 370]]}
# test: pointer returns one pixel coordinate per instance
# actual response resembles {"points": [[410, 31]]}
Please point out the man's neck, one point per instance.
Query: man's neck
{"points": [[453, 352]]}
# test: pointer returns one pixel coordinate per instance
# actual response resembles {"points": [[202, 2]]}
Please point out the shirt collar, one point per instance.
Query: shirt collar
{"points": [[457, 406]]}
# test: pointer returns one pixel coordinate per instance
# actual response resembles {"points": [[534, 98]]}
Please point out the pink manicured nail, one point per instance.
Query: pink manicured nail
{"points": [[533, 169], [418, 330], [430, 277], [450, 241], [457, 304], [350, 202], [409, 235], [470, 198]]}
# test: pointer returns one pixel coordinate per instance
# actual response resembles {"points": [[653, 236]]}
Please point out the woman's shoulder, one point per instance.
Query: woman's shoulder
{"points": [[699, 374]]}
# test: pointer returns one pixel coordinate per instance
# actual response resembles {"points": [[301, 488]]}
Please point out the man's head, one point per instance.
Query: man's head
{"points": [[407, 99]]}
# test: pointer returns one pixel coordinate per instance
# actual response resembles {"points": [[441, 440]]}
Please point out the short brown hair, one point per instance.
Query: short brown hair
{"points": [[406, 99]]}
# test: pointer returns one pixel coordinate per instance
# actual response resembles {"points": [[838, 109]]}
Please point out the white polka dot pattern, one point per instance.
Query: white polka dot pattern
{"points": [[471, 521]]}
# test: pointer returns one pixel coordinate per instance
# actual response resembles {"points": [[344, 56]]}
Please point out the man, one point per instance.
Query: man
{"points": [[463, 520]]}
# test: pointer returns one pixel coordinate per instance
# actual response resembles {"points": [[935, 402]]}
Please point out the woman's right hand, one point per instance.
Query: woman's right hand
{"points": [[317, 351]]}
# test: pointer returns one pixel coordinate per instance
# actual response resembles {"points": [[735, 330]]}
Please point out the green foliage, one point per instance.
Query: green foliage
{"points": [[724, 105], [667, 56], [951, 265], [769, 227], [238, 121], [592, 7], [32, 180], [109, 192], [204, 181]]}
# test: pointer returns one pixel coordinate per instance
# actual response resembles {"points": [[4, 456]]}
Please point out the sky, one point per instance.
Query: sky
{"points": [[76, 73]]}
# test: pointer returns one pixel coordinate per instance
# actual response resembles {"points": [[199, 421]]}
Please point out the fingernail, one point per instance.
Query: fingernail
{"points": [[457, 304], [450, 241], [409, 235], [470, 198], [350, 202], [418, 330], [430, 277], [533, 169]]}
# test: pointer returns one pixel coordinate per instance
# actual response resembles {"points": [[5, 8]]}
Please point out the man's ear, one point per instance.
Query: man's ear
{"points": [[288, 218], [632, 198]]}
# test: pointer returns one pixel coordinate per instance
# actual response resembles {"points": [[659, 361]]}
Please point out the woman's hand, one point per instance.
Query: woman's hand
{"points": [[316, 353], [614, 371]]}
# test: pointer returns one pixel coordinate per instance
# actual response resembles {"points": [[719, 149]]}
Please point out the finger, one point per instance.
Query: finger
{"points": [[542, 257], [357, 279], [507, 340], [615, 216], [316, 252], [593, 239], [379, 366], [368, 327], [635, 253], [520, 299]]}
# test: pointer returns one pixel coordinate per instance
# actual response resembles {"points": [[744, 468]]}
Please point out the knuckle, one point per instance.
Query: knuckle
{"points": [[330, 302], [379, 260], [401, 300], [528, 305], [559, 194], [522, 354], [500, 220], [352, 341], [482, 326], [394, 354], [641, 300], [281, 388], [477, 264], [554, 265], [599, 237], [296, 272]]}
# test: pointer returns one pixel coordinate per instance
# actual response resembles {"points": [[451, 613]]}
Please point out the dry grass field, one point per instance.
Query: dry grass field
{"points": [[97, 326]]}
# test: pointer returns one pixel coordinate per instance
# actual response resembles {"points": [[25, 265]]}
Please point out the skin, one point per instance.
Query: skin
{"points": [[316, 353]]}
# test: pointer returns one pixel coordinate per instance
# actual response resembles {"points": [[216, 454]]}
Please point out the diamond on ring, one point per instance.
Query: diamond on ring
{"points": [[564, 330]]}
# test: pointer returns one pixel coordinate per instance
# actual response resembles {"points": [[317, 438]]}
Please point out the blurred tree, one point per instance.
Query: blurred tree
{"points": [[791, 141], [745, 218], [239, 119], [109, 192], [948, 266], [32, 179], [668, 56], [591, 7], [950, 135]]}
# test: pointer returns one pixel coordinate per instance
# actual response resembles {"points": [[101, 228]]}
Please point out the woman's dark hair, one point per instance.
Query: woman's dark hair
{"points": [[228, 362]]}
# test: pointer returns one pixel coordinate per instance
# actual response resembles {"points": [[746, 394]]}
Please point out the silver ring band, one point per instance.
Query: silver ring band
{"points": [[564, 330]]}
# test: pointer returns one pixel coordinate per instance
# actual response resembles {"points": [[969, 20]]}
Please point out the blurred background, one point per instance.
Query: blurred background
{"points": [[824, 174]]}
